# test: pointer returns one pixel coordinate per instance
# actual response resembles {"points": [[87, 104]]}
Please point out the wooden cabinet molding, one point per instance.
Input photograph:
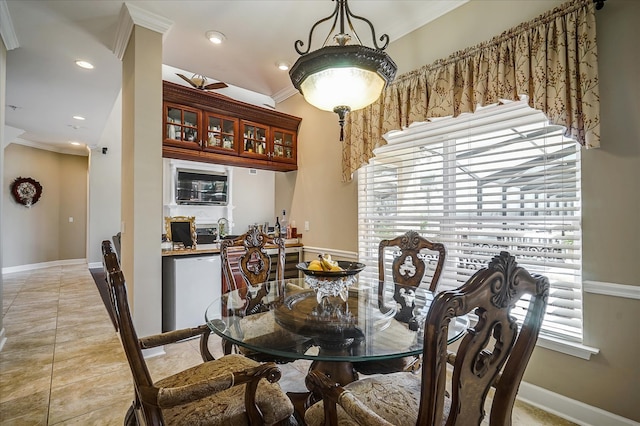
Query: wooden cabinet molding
{"points": [[227, 107]]}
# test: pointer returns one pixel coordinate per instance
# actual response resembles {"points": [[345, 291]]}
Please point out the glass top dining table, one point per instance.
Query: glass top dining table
{"points": [[288, 320]]}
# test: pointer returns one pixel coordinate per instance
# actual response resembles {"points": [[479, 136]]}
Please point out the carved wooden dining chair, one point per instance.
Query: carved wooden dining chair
{"points": [[245, 266], [224, 391], [245, 261], [494, 352], [417, 262]]}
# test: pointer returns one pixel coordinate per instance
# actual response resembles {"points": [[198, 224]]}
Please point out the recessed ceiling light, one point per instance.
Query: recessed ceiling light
{"points": [[78, 117], [84, 64], [215, 37], [75, 143], [284, 66]]}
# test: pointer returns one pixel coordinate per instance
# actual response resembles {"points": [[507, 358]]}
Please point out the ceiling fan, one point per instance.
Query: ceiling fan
{"points": [[200, 82]]}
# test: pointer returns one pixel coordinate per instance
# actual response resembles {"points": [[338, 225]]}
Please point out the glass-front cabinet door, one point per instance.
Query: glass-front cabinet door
{"points": [[254, 140], [284, 146], [220, 133], [181, 125]]}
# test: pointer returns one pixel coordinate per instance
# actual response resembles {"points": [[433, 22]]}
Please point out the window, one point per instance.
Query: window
{"points": [[503, 178]]}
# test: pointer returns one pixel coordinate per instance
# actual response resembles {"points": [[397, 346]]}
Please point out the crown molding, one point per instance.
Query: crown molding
{"points": [[131, 15], [7, 32], [284, 94]]}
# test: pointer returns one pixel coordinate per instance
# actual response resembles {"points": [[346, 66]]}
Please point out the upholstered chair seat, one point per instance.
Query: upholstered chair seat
{"points": [[226, 407], [394, 397]]}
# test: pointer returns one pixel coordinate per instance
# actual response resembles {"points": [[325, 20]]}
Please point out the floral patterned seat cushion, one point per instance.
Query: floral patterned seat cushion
{"points": [[226, 407], [394, 397]]}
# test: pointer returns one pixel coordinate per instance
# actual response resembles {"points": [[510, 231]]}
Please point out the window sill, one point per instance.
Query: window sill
{"points": [[570, 348]]}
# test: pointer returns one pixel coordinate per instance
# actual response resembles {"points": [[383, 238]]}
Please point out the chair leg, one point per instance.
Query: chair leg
{"points": [[227, 347], [130, 418]]}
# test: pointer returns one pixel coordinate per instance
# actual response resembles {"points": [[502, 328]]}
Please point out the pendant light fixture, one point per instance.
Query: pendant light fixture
{"points": [[342, 77]]}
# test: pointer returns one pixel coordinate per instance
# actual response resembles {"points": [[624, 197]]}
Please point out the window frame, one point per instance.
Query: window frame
{"points": [[483, 120]]}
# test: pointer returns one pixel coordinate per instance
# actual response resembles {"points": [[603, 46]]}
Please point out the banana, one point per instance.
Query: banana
{"points": [[326, 263]]}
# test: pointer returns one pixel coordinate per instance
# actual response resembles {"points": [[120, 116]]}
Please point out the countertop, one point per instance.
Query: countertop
{"points": [[214, 248]]}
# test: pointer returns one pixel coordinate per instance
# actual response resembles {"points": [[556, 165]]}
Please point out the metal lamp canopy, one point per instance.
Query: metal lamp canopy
{"points": [[342, 77]]}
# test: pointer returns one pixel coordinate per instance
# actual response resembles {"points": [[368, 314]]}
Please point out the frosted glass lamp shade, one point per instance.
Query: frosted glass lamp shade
{"points": [[350, 76], [353, 87]]}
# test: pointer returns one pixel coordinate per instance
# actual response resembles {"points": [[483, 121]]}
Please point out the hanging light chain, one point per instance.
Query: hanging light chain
{"points": [[341, 12]]}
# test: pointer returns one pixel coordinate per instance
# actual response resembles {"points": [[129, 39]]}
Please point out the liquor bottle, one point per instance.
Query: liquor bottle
{"points": [[276, 228], [283, 224]]}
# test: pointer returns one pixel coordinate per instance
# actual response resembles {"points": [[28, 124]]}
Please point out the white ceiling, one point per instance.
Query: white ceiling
{"points": [[45, 89]]}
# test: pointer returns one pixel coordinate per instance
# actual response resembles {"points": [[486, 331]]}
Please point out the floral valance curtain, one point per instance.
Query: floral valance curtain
{"points": [[552, 60]]}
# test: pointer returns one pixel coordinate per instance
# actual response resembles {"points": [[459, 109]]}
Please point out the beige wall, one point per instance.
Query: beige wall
{"points": [[316, 192], [611, 193], [105, 186], [43, 232]]}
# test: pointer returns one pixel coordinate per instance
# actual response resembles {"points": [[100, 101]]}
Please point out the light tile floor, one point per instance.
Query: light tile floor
{"points": [[63, 363]]}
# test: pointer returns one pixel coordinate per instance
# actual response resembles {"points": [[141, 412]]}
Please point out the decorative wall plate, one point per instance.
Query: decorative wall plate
{"points": [[26, 191]]}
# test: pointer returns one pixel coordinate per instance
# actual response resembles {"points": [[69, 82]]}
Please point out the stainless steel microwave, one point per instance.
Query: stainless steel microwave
{"points": [[201, 187]]}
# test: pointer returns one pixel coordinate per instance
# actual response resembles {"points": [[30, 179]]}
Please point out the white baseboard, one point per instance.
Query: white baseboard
{"points": [[3, 338], [570, 409], [30, 267], [93, 265]]}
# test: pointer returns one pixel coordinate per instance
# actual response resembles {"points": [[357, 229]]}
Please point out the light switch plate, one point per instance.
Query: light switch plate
{"points": [[306, 225]]}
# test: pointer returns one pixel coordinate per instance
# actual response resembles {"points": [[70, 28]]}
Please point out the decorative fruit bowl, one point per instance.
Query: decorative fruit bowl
{"points": [[334, 282], [348, 268]]}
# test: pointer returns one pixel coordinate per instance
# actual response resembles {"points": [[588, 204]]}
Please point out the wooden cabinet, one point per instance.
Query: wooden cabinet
{"points": [[182, 126], [209, 127], [221, 134], [254, 140], [264, 143], [284, 146]]}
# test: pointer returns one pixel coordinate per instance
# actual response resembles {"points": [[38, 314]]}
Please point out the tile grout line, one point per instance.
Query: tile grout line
{"points": [[53, 355]]}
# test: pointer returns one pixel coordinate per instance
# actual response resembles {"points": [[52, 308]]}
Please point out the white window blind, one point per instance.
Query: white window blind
{"points": [[500, 179]]}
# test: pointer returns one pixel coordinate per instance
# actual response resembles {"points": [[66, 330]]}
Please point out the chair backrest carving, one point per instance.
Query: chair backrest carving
{"points": [[118, 292], [409, 267], [493, 353], [253, 261]]}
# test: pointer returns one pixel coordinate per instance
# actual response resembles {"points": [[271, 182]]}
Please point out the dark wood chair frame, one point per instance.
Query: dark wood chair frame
{"points": [[150, 399], [410, 245], [254, 265], [494, 352]]}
